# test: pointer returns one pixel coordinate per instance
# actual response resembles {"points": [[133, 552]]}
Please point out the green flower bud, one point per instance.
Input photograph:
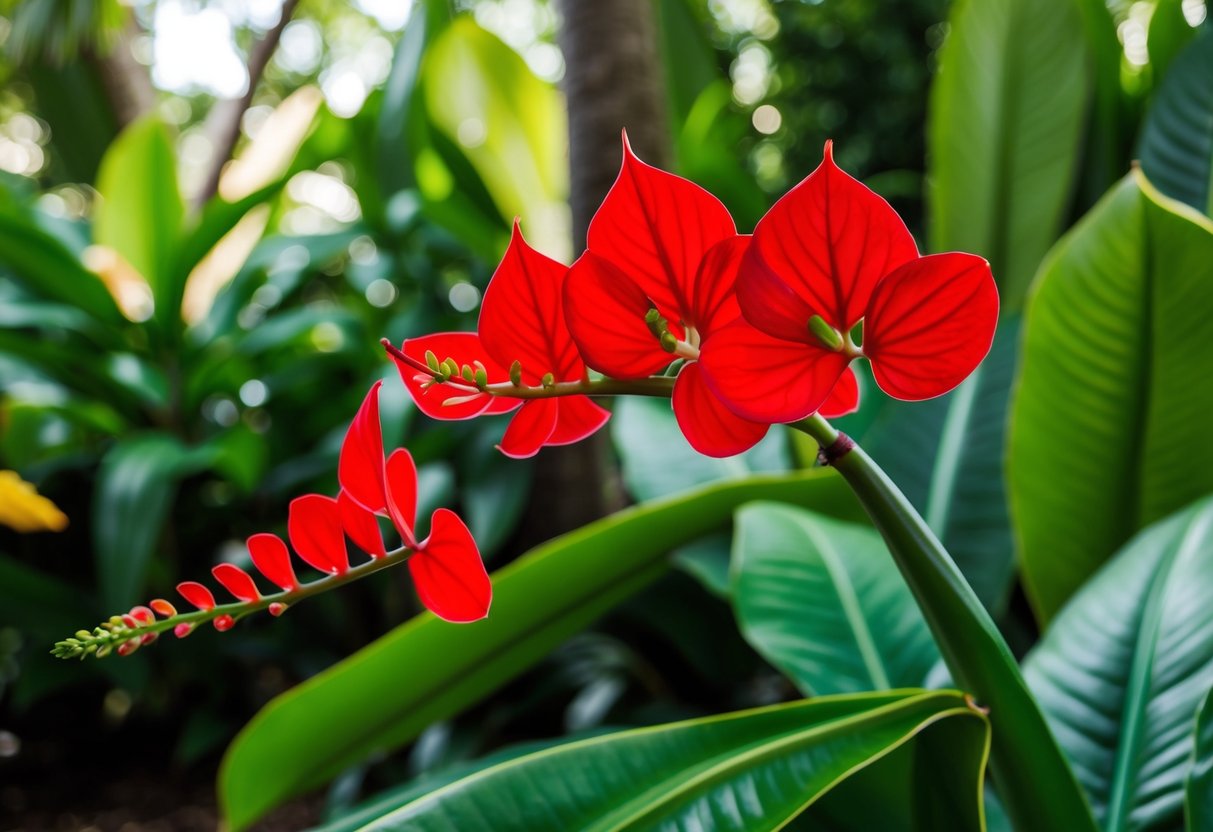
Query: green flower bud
{"points": [[516, 374], [431, 361], [467, 373], [668, 342], [826, 335], [549, 380], [482, 378]]}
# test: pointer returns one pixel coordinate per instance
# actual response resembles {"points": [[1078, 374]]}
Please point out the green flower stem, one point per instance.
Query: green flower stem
{"points": [[104, 638], [1036, 783], [659, 386]]}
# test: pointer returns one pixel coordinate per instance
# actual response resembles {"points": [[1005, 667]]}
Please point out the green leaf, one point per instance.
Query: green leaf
{"points": [[822, 600], [140, 211], [1198, 791], [1108, 428], [509, 124], [1005, 129], [47, 268], [1176, 149], [427, 670], [136, 486], [658, 461], [947, 455], [747, 771], [1121, 672], [1169, 32], [707, 561]]}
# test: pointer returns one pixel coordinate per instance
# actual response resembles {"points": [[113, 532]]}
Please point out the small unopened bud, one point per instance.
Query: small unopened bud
{"points": [[481, 378], [104, 650], [450, 369], [224, 623], [548, 380], [467, 373], [431, 361], [128, 647], [115, 621], [148, 638], [277, 608], [83, 634], [143, 615], [827, 335], [668, 342], [129, 620], [182, 630], [164, 608], [516, 374]]}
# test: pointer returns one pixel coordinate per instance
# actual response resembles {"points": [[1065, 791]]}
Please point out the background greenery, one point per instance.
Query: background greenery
{"points": [[178, 361]]}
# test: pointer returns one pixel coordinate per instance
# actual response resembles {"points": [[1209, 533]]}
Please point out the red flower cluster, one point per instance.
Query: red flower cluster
{"points": [[763, 328], [446, 567]]}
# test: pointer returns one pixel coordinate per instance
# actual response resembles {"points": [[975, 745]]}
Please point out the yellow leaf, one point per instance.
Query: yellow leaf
{"points": [[23, 509]]}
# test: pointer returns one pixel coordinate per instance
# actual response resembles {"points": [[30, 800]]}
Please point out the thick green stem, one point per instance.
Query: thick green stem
{"points": [[1035, 781]]}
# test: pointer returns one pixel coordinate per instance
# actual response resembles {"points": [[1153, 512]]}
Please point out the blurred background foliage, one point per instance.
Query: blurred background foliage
{"points": [[184, 338]]}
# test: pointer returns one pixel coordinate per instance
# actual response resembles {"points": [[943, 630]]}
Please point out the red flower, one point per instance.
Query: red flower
{"points": [[829, 254], [446, 567], [657, 282], [521, 321]]}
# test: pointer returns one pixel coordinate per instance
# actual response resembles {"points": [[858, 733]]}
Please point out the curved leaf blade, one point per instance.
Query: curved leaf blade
{"points": [[1121, 672], [748, 771], [947, 456], [538, 601], [1005, 129], [1198, 790], [822, 600], [1108, 425], [1176, 148]]}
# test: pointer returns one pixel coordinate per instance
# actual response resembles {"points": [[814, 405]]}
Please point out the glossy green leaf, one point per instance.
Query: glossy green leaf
{"points": [[134, 493], [1124, 667], [140, 211], [1169, 32], [509, 124], [47, 268], [1005, 129], [1108, 427], [1198, 796], [743, 772], [707, 561], [428, 670], [822, 600], [946, 455], [658, 461], [1176, 149]]}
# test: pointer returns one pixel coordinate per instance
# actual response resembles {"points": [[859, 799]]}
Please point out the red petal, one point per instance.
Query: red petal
{"points": [[844, 398], [714, 297], [930, 324], [766, 379], [314, 526], [522, 316], [402, 493], [164, 608], [530, 428], [273, 560], [236, 581], [449, 575], [605, 310], [360, 467], [360, 525], [197, 594], [464, 348], [576, 418], [710, 427], [656, 227], [821, 249]]}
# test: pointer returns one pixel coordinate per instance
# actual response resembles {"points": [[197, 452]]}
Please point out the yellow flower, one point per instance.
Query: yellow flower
{"points": [[22, 508]]}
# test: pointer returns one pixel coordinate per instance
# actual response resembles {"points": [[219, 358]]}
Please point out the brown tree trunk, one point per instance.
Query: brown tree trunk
{"points": [[613, 80]]}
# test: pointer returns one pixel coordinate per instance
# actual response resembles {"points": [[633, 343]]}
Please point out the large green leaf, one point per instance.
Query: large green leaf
{"points": [[140, 211], [1176, 149], [658, 461], [947, 455], [1168, 34], [47, 268], [743, 772], [1109, 424], [822, 600], [1121, 672], [135, 488], [1198, 800], [427, 670], [1005, 129], [508, 123]]}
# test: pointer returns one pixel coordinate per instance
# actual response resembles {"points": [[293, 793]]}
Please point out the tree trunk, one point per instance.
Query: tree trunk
{"points": [[613, 80]]}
